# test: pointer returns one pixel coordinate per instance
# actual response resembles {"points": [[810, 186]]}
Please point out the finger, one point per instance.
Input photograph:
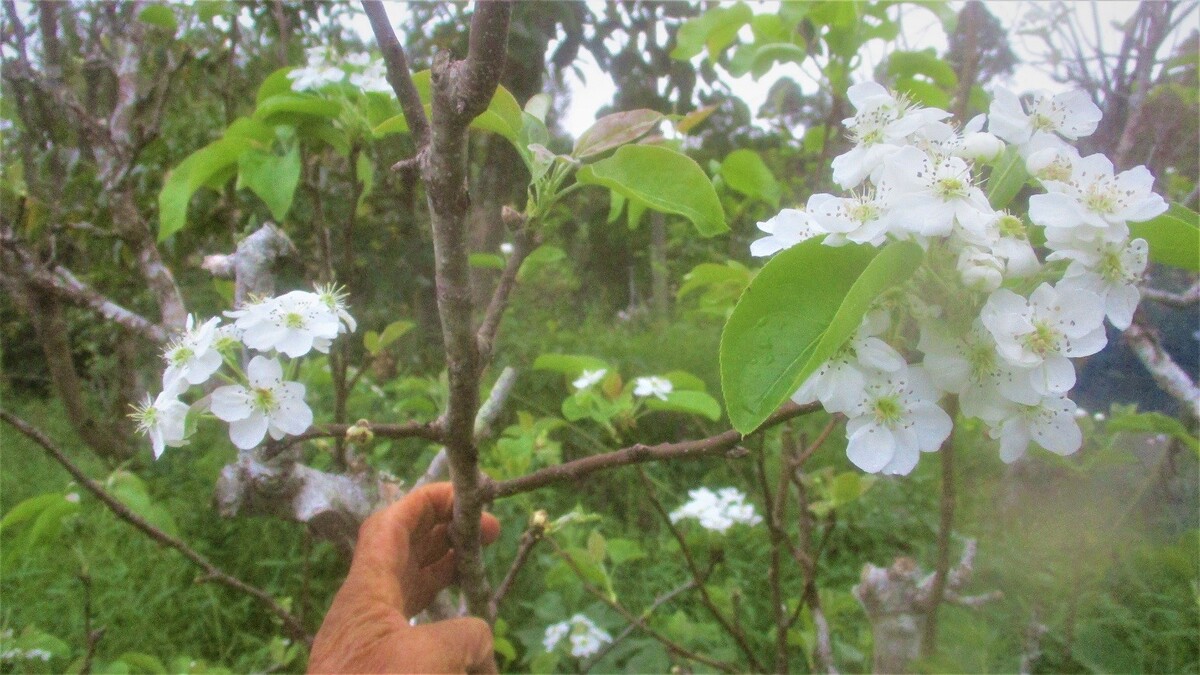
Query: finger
{"points": [[432, 546], [455, 645]]}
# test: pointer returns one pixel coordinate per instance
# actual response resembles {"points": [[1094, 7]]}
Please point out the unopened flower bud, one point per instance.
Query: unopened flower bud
{"points": [[980, 271], [540, 520], [360, 433], [981, 147]]}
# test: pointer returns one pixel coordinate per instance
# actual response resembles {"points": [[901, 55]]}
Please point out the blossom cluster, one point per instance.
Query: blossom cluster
{"points": [[998, 326], [324, 68], [584, 636], [259, 401], [717, 511]]}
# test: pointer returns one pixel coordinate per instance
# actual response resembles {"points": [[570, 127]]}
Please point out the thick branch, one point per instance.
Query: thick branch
{"points": [[211, 572], [1169, 375], [638, 454], [398, 74], [251, 266]]}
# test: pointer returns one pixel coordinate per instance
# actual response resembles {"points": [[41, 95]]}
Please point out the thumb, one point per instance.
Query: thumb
{"points": [[455, 645]]}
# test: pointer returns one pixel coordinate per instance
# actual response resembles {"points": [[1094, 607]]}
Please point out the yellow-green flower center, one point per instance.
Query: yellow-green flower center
{"points": [[1100, 201], [888, 410], [1043, 339], [1012, 227], [951, 187], [293, 320], [1041, 122], [181, 355], [264, 399]]}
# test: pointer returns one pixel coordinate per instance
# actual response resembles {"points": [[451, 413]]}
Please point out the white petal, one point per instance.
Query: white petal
{"points": [[264, 372], [932, 426], [870, 447], [249, 432], [231, 402], [1014, 439], [1056, 375], [1120, 304]]}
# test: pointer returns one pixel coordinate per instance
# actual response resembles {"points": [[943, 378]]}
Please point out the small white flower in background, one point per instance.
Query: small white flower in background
{"points": [[1042, 332], [294, 324], [359, 60], [657, 387], [1051, 423], [786, 229], [269, 405], [193, 357], [588, 378], [506, 248], [72, 497], [163, 419], [318, 72], [897, 419], [717, 511], [372, 78], [585, 636]]}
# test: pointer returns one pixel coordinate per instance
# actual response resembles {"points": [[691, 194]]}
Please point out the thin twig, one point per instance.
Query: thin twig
{"points": [[635, 620], [628, 630], [945, 527], [1185, 300], [485, 337], [700, 578], [529, 539], [638, 454], [809, 451], [211, 571]]}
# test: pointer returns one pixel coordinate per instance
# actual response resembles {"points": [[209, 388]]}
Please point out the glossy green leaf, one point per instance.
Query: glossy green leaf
{"points": [[744, 171], [192, 173], [663, 180], [29, 508], [375, 342], [272, 177], [1174, 237], [1007, 178], [159, 16], [286, 107], [615, 130], [691, 402], [393, 125], [800, 309]]}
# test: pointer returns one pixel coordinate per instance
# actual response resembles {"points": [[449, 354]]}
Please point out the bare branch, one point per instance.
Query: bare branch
{"points": [[290, 622], [945, 526], [638, 454], [529, 539], [251, 264], [1169, 375], [1185, 300], [486, 335], [658, 602]]}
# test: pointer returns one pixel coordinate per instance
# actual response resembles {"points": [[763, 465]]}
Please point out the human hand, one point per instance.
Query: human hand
{"points": [[402, 559]]}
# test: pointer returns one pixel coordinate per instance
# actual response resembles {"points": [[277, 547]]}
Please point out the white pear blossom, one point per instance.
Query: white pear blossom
{"points": [[1071, 115], [334, 299], [1042, 332], [657, 387], [318, 72], [163, 419], [717, 511], [879, 128], [294, 324], [1050, 422], [838, 383], [372, 78], [589, 377], [786, 229], [933, 194], [979, 146], [980, 270], [585, 636], [897, 418], [268, 405], [193, 358], [968, 365], [1111, 271], [860, 218], [1094, 197]]}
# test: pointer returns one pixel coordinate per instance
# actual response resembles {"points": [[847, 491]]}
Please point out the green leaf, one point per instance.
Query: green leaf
{"points": [[288, 108], [29, 508], [694, 119], [208, 10], [276, 83], [538, 105], [392, 125], [713, 30], [926, 63], [615, 130], [486, 261], [1150, 423], [596, 546], [394, 331], [845, 488], [800, 309], [540, 257], [503, 115], [624, 550], [691, 402], [682, 380], [364, 171], [1007, 178], [192, 173], [272, 177], [570, 365], [160, 16], [744, 171], [663, 180], [1174, 237]]}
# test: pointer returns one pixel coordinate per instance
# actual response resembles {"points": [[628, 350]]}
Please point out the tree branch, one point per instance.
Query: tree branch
{"points": [[398, 74], [485, 337], [290, 622], [1185, 300], [945, 527], [1169, 375], [528, 540], [638, 454]]}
